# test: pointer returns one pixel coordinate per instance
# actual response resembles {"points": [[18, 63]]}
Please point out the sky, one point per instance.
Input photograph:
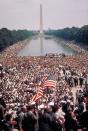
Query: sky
{"points": [[25, 14]]}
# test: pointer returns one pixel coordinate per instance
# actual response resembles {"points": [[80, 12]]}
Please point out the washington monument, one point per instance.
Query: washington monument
{"points": [[41, 29], [41, 20]]}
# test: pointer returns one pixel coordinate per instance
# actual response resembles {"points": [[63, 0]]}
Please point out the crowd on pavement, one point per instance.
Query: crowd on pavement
{"points": [[58, 109]]}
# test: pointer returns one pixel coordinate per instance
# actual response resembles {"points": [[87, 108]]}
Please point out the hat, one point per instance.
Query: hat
{"points": [[0, 95], [41, 106], [64, 102], [71, 103], [32, 103], [68, 101], [0, 65], [51, 103]]}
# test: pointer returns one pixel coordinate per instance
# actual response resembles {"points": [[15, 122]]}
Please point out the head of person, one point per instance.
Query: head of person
{"points": [[8, 117], [55, 108], [31, 107], [23, 109]]}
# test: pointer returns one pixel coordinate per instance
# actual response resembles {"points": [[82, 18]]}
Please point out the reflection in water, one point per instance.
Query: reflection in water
{"points": [[41, 46]]}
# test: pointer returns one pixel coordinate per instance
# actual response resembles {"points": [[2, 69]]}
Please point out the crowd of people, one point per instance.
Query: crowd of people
{"points": [[76, 47], [59, 109]]}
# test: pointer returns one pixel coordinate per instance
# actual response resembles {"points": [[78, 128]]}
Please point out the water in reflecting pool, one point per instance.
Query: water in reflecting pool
{"points": [[41, 46]]}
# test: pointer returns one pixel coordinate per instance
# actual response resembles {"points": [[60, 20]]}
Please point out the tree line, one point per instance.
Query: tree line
{"points": [[74, 33], [8, 37]]}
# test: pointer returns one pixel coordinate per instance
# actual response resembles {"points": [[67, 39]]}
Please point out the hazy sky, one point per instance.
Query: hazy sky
{"points": [[24, 14]]}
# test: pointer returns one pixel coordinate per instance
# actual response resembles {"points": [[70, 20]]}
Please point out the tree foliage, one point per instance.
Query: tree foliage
{"points": [[74, 33], [8, 37]]}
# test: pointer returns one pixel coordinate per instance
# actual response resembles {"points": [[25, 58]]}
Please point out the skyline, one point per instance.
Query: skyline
{"points": [[57, 14]]}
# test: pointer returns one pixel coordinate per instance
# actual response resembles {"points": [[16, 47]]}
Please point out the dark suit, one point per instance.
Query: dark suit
{"points": [[20, 119], [84, 119], [29, 121], [1, 112], [1, 116], [45, 122]]}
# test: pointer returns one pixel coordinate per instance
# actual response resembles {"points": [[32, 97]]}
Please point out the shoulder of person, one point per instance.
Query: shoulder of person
{"points": [[30, 113]]}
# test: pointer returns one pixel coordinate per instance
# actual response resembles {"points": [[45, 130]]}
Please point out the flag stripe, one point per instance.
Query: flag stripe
{"points": [[49, 83], [38, 95], [33, 98]]}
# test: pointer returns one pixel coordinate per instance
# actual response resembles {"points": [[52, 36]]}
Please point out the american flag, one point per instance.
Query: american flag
{"points": [[38, 95], [49, 83]]}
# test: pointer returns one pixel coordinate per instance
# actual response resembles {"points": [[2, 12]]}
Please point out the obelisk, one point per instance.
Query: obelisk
{"points": [[41, 29], [41, 20]]}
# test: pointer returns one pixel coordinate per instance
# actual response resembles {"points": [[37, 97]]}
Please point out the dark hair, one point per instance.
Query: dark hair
{"points": [[8, 117], [30, 107], [55, 108], [87, 107], [2, 102]]}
